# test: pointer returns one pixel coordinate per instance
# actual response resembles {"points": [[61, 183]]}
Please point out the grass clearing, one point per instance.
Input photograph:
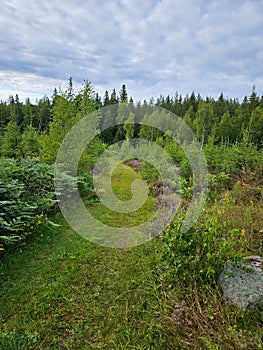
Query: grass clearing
{"points": [[62, 292], [122, 178]]}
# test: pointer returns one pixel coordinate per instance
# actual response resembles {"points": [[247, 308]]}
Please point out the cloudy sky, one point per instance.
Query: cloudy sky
{"points": [[153, 46]]}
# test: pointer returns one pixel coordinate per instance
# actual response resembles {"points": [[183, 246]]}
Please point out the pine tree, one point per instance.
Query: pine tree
{"points": [[123, 94], [129, 126], [193, 101], [63, 118], [225, 128], [16, 113], [30, 144], [11, 141], [98, 100], [113, 98], [43, 115], [203, 123], [4, 116], [106, 99], [253, 99], [28, 111], [70, 90], [55, 93], [256, 126], [65, 114]]}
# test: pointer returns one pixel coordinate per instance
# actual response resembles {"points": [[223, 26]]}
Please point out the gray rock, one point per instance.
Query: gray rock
{"points": [[242, 283]]}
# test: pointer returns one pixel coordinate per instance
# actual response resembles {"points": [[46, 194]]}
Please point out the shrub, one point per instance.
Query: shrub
{"points": [[26, 197], [198, 254]]}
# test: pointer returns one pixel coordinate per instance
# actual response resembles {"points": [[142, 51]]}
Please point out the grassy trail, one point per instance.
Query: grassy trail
{"points": [[63, 292]]}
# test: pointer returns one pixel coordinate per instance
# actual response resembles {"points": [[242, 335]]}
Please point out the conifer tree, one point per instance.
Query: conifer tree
{"points": [[30, 144], [70, 90], [106, 99], [129, 126], [66, 113], [11, 141], [63, 118], [123, 94], [225, 128], [113, 98]]}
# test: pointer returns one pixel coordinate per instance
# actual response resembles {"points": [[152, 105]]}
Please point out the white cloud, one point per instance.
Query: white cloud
{"points": [[151, 46]]}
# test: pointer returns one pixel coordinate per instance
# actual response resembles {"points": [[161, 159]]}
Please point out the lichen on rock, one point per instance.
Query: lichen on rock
{"points": [[242, 283]]}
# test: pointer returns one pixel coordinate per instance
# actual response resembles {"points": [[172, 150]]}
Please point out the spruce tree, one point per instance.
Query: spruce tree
{"points": [[11, 141], [123, 94], [106, 99], [113, 98], [30, 144]]}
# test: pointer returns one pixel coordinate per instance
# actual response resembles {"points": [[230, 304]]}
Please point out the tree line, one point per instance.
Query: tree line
{"points": [[37, 129]]}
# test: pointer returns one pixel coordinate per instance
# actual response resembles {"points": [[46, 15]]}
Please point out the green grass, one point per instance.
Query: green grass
{"points": [[62, 292], [122, 178]]}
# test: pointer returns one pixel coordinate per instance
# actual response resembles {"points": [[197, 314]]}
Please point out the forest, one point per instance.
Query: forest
{"points": [[60, 291], [221, 121]]}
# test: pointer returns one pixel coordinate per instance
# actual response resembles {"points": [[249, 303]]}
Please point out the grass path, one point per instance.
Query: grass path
{"points": [[122, 178], [63, 292]]}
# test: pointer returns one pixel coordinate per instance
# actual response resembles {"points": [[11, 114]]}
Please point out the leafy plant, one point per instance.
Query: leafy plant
{"points": [[200, 252], [26, 197]]}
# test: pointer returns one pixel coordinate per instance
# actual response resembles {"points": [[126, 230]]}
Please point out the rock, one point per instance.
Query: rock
{"points": [[135, 164], [242, 283]]}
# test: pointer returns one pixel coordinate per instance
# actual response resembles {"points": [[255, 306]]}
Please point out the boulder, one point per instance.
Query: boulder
{"points": [[242, 283]]}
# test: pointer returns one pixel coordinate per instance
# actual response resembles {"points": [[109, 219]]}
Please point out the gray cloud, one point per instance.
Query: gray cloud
{"points": [[151, 46]]}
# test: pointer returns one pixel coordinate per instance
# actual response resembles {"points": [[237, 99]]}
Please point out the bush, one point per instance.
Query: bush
{"points": [[233, 159], [198, 254], [26, 198]]}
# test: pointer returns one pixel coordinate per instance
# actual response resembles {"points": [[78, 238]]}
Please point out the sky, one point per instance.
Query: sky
{"points": [[152, 46]]}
